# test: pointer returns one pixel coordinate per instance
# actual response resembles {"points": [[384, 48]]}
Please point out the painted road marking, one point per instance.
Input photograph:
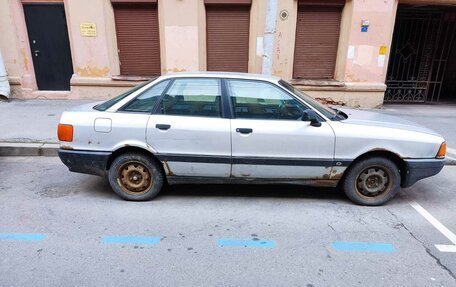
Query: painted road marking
{"points": [[363, 246], [130, 240], [245, 243], [439, 226], [22, 236]]}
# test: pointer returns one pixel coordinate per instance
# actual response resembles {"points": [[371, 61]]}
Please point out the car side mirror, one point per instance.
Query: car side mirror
{"points": [[310, 116]]}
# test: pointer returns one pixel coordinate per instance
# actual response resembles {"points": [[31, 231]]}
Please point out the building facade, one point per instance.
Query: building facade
{"points": [[358, 53]]}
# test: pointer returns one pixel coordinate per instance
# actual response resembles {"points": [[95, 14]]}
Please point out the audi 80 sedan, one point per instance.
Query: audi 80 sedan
{"points": [[243, 128]]}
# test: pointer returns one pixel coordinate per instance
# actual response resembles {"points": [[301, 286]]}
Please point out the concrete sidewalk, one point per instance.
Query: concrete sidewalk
{"points": [[32, 121], [30, 127]]}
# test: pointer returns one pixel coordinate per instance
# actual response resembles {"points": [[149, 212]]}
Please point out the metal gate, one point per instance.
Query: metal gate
{"points": [[421, 45]]}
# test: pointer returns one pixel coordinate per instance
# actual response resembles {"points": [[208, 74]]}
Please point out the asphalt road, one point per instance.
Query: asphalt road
{"points": [[63, 229]]}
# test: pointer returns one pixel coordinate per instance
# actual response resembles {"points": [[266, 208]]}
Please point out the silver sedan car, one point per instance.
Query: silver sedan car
{"points": [[243, 128]]}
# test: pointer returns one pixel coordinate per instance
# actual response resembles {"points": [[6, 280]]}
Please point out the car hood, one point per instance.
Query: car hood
{"points": [[368, 118]]}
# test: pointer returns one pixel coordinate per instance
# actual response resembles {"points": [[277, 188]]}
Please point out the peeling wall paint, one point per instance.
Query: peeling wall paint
{"points": [[92, 71], [175, 70], [24, 59]]}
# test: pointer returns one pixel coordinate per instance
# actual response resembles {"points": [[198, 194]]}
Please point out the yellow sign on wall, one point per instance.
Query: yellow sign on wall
{"points": [[382, 50], [88, 29]]}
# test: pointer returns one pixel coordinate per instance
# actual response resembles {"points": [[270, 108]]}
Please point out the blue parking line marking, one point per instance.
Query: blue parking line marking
{"points": [[363, 246], [245, 243], [130, 240], [22, 236]]}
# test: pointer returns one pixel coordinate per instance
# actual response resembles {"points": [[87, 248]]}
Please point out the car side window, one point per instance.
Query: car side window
{"points": [[193, 97], [262, 100], [145, 102]]}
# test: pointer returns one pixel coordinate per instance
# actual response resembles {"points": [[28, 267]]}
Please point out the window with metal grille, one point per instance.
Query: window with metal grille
{"points": [[137, 38], [317, 39]]}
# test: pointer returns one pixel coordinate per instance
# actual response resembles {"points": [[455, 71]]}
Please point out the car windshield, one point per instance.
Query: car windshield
{"points": [[330, 113], [109, 103]]}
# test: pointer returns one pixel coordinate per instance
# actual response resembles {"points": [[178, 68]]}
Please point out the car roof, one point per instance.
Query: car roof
{"points": [[247, 76]]}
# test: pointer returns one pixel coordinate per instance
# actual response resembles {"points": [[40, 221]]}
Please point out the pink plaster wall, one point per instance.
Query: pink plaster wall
{"points": [[90, 56], [364, 62]]}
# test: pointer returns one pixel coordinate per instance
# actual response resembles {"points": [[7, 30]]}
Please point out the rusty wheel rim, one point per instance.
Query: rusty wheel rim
{"points": [[373, 181], [134, 178]]}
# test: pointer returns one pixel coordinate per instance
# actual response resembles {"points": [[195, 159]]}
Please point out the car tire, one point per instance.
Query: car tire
{"points": [[136, 177], [372, 181]]}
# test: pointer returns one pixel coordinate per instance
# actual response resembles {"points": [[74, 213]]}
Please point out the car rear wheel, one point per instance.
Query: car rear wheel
{"points": [[135, 177], [372, 181]]}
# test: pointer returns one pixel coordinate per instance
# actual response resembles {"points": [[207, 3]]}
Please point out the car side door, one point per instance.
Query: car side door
{"points": [[269, 139], [188, 129]]}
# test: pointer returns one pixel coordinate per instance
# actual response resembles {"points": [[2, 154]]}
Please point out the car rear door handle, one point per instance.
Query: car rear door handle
{"points": [[163, 127], [244, 131]]}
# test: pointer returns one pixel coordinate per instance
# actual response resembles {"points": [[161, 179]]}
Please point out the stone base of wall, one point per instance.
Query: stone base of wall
{"points": [[354, 99], [356, 95], [81, 88]]}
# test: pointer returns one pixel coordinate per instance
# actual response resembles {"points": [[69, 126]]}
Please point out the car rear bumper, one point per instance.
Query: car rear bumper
{"points": [[421, 168], [89, 162]]}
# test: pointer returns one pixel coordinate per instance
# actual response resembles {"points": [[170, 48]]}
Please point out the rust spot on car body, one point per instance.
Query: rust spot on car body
{"points": [[323, 182], [66, 147], [167, 169], [380, 149], [336, 173]]}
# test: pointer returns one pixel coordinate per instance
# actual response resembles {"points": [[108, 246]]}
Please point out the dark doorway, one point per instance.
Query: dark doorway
{"points": [[50, 46], [421, 65]]}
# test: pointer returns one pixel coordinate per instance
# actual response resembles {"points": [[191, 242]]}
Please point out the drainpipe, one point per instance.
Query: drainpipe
{"points": [[4, 84], [269, 35]]}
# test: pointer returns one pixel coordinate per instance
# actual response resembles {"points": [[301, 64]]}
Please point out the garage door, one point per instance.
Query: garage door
{"points": [[317, 39], [138, 39], [227, 37]]}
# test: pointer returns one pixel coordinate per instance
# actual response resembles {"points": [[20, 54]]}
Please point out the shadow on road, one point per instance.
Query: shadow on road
{"points": [[251, 190], [100, 187]]}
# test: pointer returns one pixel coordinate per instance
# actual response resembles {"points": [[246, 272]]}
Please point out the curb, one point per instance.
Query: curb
{"points": [[29, 149], [51, 149]]}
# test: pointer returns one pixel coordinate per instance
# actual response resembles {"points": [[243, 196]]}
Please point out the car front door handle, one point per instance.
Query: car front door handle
{"points": [[244, 131], [163, 127]]}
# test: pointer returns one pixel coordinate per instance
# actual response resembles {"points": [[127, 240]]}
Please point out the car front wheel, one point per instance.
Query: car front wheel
{"points": [[135, 177], [372, 181]]}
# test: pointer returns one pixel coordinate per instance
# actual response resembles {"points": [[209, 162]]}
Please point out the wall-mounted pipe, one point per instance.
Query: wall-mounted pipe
{"points": [[269, 36]]}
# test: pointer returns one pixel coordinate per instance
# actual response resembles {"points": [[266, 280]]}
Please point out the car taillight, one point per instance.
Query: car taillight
{"points": [[442, 151], [65, 133]]}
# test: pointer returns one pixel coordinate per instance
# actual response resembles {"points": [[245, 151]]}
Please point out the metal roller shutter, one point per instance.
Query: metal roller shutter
{"points": [[138, 39], [228, 37], [317, 39]]}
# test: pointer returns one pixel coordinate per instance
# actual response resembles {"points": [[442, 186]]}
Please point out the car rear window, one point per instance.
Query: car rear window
{"points": [[109, 103]]}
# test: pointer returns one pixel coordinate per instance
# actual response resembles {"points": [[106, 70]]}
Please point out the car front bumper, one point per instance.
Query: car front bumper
{"points": [[421, 168], [89, 162]]}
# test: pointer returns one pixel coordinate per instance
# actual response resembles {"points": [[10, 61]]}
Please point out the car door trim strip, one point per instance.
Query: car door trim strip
{"points": [[252, 160]]}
